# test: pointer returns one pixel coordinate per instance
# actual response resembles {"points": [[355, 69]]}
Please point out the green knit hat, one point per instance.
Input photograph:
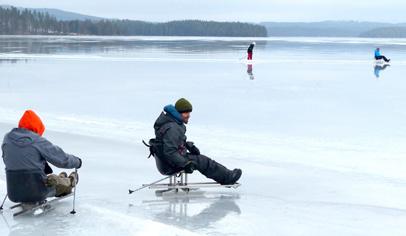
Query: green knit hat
{"points": [[183, 105]]}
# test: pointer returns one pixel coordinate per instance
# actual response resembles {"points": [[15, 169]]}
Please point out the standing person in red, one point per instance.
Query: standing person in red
{"points": [[250, 51], [26, 155]]}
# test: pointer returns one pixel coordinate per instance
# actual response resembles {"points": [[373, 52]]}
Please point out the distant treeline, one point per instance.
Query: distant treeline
{"points": [[319, 29], [386, 32], [336, 29], [26, 22]]}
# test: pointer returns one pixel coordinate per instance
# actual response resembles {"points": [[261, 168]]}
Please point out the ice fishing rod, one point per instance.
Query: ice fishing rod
{"points": [[74, 193]]}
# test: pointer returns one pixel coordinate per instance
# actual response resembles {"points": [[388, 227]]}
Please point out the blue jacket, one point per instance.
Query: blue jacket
{"points": [[377, 53]]}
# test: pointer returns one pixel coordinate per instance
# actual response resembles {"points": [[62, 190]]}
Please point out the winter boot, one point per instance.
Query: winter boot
{"points": [[234, 177]]}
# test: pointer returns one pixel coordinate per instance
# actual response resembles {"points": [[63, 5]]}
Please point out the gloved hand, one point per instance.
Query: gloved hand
{"points": [[189, 168], [192, 148], [80, 163]]}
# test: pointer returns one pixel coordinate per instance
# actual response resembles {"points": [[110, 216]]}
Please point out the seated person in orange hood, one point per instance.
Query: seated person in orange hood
{"points": [[26, 155]]}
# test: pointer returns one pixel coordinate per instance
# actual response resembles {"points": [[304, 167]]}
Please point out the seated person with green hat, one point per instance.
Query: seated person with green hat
{"points": [[178, 154]]}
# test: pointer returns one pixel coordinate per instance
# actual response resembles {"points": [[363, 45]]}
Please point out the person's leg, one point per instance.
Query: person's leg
{"points": [[62, 184], [250, 56], [382, 57], [210, 168]]}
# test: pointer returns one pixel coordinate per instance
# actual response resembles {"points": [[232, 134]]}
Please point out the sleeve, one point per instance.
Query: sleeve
{"points": [[171, 141], [189, 145], [56, 156]]}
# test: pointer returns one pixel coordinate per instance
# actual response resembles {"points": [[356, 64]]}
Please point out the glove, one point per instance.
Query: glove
{"points": [[189, 168], [192, 148], [80, 163]]}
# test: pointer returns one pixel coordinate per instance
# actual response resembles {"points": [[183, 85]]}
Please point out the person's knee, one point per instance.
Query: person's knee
{"points": [[201, 158]]}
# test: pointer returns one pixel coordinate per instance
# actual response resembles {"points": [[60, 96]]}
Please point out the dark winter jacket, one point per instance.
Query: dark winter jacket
{"points": [[251, 48], [170, 136], [26, 150]]}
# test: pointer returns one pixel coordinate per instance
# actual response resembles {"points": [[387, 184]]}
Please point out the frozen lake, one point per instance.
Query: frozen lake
{"points": [[318, 130]]}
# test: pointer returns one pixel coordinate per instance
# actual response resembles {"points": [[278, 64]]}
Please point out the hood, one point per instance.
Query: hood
{"points": [[21, 137], [170, 114], [32, 122]]}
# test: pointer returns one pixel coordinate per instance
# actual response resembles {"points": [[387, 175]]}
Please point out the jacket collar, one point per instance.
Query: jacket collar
{"points": [[172, 112]]}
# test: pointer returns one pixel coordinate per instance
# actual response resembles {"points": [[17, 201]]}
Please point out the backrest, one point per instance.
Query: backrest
{"points": [[26, 186], [163, 167], [155, 148]]}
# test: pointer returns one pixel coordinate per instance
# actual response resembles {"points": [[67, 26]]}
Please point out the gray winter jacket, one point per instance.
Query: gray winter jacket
{"points": [[26, 150], [170, 134]]}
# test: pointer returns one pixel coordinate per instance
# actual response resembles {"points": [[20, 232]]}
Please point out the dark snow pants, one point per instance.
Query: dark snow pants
{"points": [[382, 57], [210, 168]]}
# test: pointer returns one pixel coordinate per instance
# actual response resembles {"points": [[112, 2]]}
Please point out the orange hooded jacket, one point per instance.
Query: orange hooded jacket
{"points": [[31, 121]]}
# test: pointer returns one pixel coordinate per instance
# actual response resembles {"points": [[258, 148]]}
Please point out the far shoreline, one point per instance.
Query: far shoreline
{"points": [[191, 37]]}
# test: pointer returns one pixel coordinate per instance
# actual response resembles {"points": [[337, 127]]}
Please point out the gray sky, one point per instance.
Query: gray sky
{"points": [[231, 10]]}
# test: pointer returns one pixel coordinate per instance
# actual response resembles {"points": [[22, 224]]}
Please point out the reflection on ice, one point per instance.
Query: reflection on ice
{"points": [[379, 68], [11, 60], [249, 72], [318, 158], [54, 222], [185, 210], [118, 45]]}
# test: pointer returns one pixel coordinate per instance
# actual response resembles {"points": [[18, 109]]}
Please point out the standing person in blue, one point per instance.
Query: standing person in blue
{"points": [[177, 154], [378, 55]]}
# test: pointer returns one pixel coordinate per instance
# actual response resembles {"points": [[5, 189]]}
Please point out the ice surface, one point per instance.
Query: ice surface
{"points": [[319, 137]]}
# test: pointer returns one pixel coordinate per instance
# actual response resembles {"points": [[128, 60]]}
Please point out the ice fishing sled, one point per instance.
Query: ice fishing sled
{"points": [[27, 189], [179, 183], [178, 180], [38, 207]]}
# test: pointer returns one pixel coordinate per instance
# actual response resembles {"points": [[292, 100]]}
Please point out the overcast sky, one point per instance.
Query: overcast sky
{"points": [[231, 10]]}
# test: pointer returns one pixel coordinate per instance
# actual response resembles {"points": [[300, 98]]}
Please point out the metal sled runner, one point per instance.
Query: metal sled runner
{"points": [[40, 207], [179, 182]]}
